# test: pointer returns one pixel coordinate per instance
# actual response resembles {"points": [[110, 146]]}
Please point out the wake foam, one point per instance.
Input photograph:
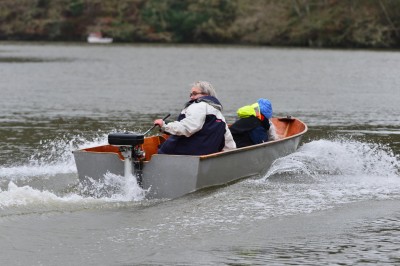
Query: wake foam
{"points": [[54, 157], [323, 158], [320, 173], [38, 185], [115, 187]]}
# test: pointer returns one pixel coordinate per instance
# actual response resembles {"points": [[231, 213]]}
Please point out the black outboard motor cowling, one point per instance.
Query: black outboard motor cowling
{"points": [[125, 139], [129, 146]]}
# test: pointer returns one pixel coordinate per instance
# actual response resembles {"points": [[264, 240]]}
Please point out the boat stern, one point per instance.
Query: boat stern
{"points": [[170, 176]]}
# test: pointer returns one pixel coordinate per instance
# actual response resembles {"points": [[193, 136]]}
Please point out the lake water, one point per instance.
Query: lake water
{"points": [[335, 201]]}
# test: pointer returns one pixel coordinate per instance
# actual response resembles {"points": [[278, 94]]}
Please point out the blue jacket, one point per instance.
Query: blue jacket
{"points": [[249, 131]]}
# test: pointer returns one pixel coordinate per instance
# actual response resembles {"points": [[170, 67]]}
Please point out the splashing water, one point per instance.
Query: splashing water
{"points": [[115, 187], [49, 181], [332, 158], [25, 195], [25, 199], [321, 173], [324, 173], [54, 157]]}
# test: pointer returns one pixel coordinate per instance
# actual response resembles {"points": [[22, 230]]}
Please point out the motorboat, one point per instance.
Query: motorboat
{"points": [[96, 37], [172, 176]]}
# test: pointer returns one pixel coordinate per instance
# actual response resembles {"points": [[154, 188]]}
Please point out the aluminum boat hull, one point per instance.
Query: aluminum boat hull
{"points": [[172, 176]]}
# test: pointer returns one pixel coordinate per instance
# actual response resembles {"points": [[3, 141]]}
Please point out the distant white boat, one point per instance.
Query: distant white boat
{"points": [[98, 38]]}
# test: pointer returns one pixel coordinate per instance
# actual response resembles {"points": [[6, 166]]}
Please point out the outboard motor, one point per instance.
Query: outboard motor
{"points": [[129, 146]]}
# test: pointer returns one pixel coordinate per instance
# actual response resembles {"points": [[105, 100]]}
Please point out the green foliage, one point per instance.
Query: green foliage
{"points": [[43, 3], [320, 23], [190, 21], [76, 8]]}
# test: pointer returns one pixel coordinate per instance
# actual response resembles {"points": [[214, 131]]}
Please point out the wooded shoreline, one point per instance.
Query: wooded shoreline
{"points": [[303, 23]]}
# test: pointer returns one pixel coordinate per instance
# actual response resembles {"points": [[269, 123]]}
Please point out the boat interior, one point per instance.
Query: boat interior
{"points": [[285, 127]]}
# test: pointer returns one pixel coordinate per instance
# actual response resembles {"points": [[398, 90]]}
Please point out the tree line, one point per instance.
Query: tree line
{"points": [[311, 23]]}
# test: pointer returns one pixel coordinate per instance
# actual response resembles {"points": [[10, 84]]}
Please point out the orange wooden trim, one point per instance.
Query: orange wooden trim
{"points": [[285, 128], [106, 149], [150, 146]]}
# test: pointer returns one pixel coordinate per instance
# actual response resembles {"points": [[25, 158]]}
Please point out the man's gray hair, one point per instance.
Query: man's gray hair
{"points": [[205, 87]]}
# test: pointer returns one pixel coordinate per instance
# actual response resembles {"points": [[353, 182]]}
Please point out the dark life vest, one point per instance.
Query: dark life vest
{"points": [[209, 139], [249, 131]]}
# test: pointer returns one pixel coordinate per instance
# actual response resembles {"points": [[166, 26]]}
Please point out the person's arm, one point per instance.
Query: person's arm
{"points": [[229, 142], [195, 117]]}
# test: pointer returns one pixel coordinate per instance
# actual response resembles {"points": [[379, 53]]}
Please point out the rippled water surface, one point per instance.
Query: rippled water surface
{"points": [[335, 201]]}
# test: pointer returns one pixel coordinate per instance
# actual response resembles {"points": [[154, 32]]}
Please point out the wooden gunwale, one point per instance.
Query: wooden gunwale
{"points": [[256, 146], [151, 144]]}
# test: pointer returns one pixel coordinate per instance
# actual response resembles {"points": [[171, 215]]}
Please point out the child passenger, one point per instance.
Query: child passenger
{"points": [[253, 126]]}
